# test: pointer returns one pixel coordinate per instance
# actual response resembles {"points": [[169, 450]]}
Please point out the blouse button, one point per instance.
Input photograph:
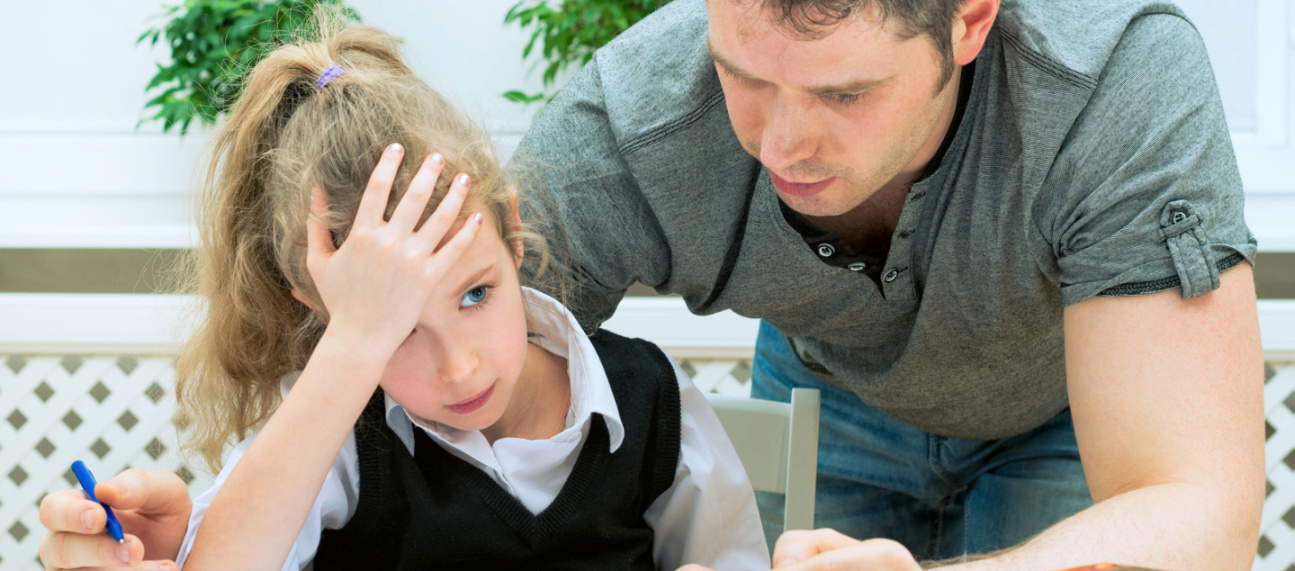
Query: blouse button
{"points": [[891, 275], [826, 250], [857, 267]]}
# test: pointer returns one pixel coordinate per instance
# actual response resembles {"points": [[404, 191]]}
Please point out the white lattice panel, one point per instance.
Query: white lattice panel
{"points": [[726, 376], [1277, 542], [113, 412]]}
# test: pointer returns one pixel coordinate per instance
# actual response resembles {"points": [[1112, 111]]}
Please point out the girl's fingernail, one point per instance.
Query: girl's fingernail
{"points": [[476, 218], [437, 159], [123, 552], [463, 179], [395, 148], [87, 519]]}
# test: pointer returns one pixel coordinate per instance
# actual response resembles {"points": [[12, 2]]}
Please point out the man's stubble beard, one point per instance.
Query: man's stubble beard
{"points": [[853, 188]]}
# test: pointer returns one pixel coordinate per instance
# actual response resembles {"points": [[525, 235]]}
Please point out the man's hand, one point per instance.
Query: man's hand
{"points": [[152, 505], [824, 549], [829, 549]]}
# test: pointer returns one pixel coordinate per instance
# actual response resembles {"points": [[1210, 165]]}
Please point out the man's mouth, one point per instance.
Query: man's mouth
{"points": [[801, 189]]}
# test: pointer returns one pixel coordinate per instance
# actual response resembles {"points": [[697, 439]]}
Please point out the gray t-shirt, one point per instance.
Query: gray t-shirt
{"points": [[1092, 159]]}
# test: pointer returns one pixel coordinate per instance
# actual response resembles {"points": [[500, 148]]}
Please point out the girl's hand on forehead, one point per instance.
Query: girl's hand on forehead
{"points": [[374, 286]]}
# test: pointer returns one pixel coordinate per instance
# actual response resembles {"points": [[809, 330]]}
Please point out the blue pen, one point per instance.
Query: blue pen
{"points": [[84, 476]]}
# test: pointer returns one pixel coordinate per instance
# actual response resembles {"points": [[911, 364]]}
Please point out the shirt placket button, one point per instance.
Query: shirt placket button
{"points": [[890, 276], [826, 250]]}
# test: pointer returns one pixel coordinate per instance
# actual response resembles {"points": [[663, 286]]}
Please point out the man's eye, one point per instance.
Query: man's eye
{"points": [[845, 98], [474, 296]]}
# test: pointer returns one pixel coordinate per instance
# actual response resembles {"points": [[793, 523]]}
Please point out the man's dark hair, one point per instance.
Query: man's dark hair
{"points": [[911, 18]]}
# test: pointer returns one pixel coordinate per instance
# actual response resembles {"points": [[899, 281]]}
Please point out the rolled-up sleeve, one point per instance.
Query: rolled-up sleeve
{"points": [[1147, 194]]}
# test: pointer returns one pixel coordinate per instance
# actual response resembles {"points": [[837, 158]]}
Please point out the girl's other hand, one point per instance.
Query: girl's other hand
{"points": [[152, 505], [374, 286]]}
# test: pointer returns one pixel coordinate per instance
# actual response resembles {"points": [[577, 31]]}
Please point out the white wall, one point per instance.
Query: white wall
{"points": [[74, 171]]}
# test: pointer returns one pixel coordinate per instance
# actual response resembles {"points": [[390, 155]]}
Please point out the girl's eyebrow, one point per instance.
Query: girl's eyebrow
{"points": [[477, 276]]}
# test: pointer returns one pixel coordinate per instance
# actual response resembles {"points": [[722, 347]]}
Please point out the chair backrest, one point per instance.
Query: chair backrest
{"points": [[778, 445]]}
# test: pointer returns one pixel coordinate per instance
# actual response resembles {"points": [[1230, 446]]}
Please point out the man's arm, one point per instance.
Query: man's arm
{"points": [[1167, 400]]}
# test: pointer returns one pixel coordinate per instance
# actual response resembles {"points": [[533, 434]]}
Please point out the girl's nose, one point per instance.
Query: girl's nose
{"points": [[457, 363]]}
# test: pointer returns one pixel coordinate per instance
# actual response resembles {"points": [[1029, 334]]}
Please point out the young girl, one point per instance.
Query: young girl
{"points": [[420, 408]]}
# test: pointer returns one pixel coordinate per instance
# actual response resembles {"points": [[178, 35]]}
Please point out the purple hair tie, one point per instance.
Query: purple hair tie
{"points": [[328, 76]]}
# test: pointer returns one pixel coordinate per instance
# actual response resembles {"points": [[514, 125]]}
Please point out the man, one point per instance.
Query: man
{"points": [[1004, 241], [956, 220]]}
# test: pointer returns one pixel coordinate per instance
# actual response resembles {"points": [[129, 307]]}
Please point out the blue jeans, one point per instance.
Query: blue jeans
{"points": [[941, 497]]}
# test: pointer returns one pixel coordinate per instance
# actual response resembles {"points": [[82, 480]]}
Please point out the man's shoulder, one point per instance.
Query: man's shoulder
{"points": [[1074, 37], [658, 72], [1060, 71]]}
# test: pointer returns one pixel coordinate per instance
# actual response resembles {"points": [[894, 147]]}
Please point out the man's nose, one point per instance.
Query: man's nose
{"points": [[786, 139]]}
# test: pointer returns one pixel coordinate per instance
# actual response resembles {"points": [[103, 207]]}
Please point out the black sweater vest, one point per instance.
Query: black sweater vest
{"points": [[436, 511]]}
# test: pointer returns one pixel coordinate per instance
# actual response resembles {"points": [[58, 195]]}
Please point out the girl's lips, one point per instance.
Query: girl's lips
{"points": [[474, 403], [799, 188]]}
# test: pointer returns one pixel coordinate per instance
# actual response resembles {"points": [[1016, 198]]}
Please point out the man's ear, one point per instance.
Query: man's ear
{"points": [[515, 226], [970, 28]]}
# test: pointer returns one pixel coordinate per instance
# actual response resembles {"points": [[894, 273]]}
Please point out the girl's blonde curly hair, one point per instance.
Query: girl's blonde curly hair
{"points": [[284, 137]]}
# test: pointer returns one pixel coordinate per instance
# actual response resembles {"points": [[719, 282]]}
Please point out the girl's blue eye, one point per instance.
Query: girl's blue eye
{"points": [[474, 296]]}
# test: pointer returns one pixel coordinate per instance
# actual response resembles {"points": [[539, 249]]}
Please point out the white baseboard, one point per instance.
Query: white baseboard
{"points": [[155, 324], [92, 323]]}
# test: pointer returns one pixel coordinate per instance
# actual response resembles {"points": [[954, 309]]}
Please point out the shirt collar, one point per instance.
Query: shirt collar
{"points": [[556, 330]]}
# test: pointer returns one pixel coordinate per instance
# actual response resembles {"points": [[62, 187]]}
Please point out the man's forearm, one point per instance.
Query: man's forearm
{"points": [[1167, 526]]}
